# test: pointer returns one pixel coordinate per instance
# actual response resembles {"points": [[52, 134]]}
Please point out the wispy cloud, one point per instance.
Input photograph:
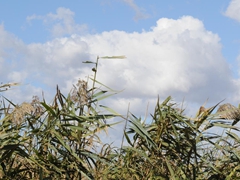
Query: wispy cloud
{"points": [[139, 12], [61, 23]]}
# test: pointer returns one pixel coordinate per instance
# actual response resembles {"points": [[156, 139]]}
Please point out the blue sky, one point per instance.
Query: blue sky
{"points": [[188, 49], [107, 15]]}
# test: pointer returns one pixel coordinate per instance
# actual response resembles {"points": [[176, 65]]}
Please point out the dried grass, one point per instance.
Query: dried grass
{"points": [[20, 111]]}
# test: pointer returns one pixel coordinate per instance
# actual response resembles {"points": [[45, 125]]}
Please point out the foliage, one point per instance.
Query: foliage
{"points": [[174, 146], [54, 141], [59, 140]]}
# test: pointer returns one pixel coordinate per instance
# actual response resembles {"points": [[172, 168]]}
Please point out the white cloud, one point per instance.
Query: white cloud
{"points": [[140, 12], [61, 23], [233, 10], [17, 76], [10, 53], [175, 57], [236, 96], [33, 17]]}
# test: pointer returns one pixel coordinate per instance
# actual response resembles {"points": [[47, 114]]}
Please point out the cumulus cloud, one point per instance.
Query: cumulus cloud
{"points": [[61, 23], [10, 53], [233, 10], [177, 57], [139, 12]]}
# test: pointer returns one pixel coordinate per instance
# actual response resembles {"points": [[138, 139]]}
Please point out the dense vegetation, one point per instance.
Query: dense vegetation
{"points": [[60, 140]]}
